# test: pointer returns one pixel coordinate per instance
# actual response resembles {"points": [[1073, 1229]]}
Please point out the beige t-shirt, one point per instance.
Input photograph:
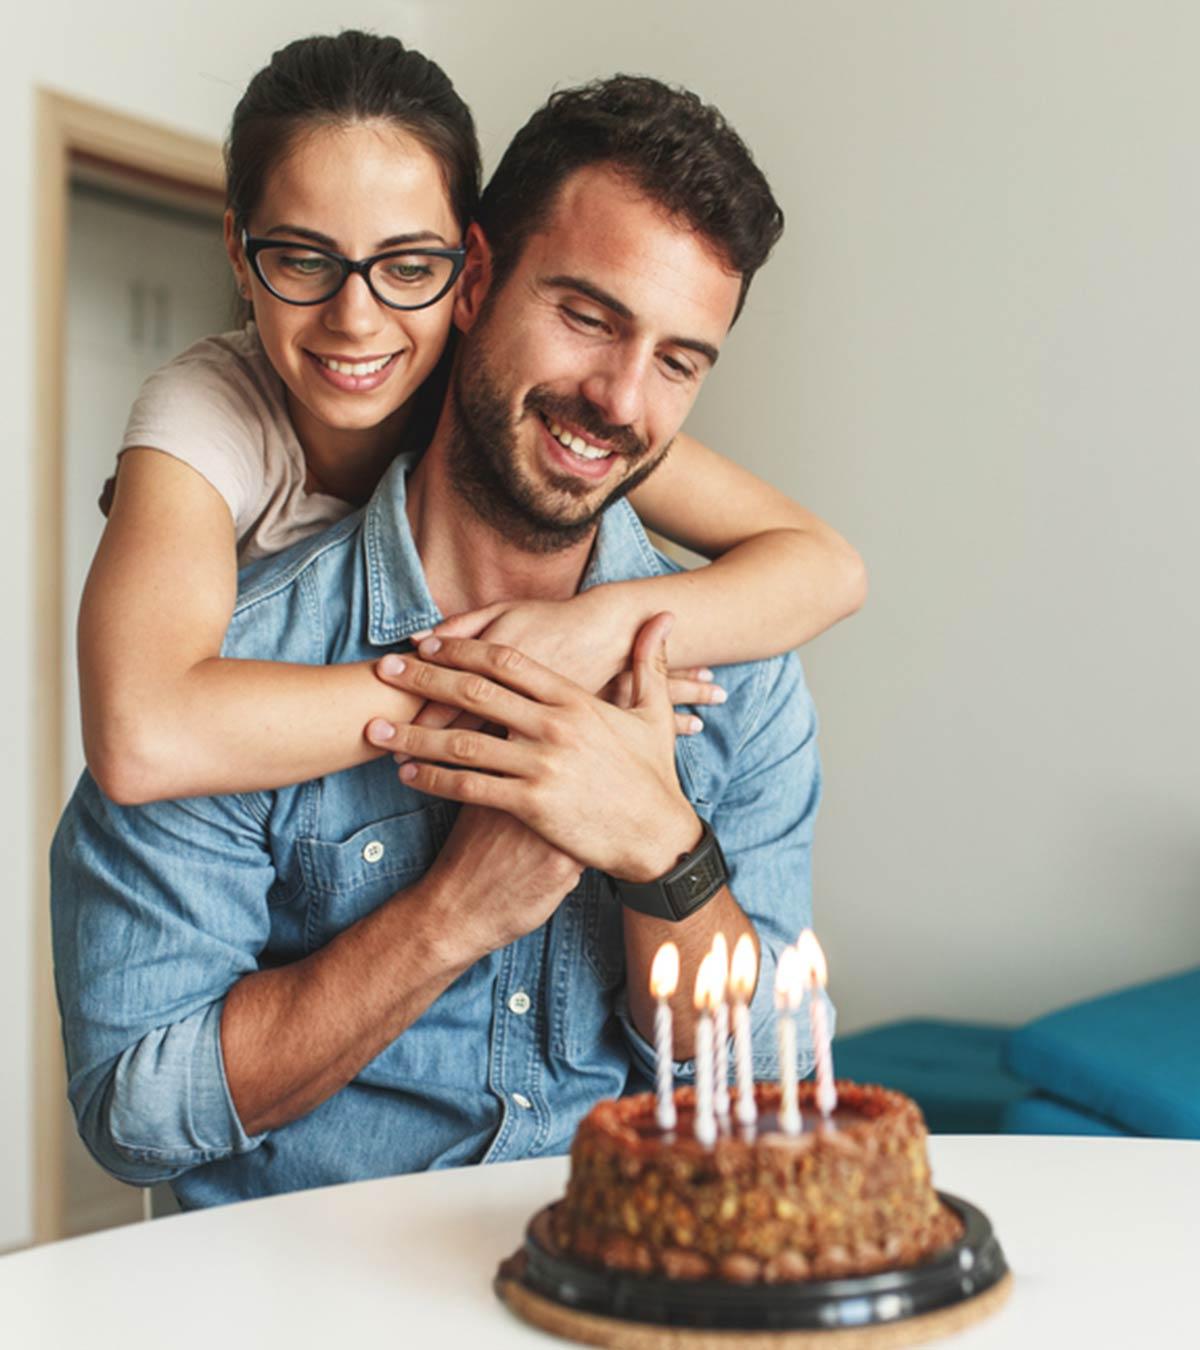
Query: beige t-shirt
{"points": [[219, 407]]}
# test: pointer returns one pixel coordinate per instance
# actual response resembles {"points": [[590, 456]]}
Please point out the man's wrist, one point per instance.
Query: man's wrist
{"points": [[688, 885], [434, 931], [677, 837]]}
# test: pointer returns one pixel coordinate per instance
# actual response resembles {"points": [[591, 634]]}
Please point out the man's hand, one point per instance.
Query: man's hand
{"points": [[596, 781], [496, 880]]}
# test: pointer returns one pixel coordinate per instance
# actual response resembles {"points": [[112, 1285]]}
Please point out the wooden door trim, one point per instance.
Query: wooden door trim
{"points": [[143, 151]]}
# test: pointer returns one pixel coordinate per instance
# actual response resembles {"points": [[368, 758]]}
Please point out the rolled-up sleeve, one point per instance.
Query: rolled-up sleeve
{"points": [[157, 912], [763, 816]]}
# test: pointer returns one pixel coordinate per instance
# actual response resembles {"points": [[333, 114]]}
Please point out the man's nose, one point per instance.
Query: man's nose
{"points": [[617, 387], [354, 311]]}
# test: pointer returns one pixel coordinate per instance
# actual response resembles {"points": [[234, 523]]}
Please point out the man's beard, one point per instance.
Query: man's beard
{"points": [[484, 469]]}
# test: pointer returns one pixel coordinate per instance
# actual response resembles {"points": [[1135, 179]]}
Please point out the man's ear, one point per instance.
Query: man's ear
{"points": [[476, 280], [237, 256]]}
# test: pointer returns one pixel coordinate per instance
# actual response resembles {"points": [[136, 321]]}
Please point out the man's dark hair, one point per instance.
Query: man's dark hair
{"points": [[677, 150]]}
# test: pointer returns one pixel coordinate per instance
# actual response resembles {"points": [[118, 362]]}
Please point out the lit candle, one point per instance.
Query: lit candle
{"points": [[789, 989], [816, 974], [742, 974], [706, 1121], [720, 953], [664, 980]]}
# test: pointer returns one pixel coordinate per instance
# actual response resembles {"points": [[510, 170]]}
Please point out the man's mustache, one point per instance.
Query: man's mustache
{"points": [[578, 412]]}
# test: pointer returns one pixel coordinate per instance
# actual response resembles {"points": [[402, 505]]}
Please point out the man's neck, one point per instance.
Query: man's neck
{"points": [[467, 562]]}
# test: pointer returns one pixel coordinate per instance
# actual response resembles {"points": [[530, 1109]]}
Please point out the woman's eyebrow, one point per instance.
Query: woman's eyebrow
{"points": [[392, 241]]}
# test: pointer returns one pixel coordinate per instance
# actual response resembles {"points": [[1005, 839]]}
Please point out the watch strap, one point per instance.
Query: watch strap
{"points": [[691, 883]]}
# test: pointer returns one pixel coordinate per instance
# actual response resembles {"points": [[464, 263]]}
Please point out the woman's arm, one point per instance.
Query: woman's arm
{"points": [[164, 715], [779, 574], [779, 577]]}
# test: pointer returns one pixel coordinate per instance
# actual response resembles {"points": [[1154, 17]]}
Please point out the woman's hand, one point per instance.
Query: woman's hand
{"points": [[587, 639]]}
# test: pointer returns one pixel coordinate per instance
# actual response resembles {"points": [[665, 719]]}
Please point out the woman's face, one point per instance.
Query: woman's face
{"points": [[353, 189]]}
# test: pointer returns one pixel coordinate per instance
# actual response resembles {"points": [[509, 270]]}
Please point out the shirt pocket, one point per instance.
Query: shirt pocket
{"points": [[348, 879]]}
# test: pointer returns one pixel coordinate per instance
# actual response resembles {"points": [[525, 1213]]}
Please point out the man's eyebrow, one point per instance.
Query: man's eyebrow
{"points": [[392, 241], [602, 297]]}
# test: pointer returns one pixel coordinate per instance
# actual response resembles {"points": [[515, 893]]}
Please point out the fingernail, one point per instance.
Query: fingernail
{"points": [[718, 695], [695, 725], [430, 647], [704, 674], [401, 758], [379, 730], [408, 772], [391, 664]]}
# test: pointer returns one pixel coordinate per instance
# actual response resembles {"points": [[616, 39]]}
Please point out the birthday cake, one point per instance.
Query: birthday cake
{"points": [[846, 1196]]}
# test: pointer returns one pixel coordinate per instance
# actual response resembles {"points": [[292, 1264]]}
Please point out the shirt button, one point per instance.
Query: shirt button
{"points": [[522, 1100], [373, 851], [519, 1003]]}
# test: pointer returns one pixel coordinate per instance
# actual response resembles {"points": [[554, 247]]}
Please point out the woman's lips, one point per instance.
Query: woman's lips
{"points": [[352, 384]]}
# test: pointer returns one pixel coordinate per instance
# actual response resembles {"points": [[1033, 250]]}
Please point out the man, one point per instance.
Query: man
{"points": [[347, 978]]}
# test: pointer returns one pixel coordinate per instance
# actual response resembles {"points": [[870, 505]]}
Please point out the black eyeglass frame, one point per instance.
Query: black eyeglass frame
{"points": [[253, 245]]}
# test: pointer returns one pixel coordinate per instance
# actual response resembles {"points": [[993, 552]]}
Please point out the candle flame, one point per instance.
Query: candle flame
{"points": [[705, 996], [789, 980], [720, 955], [664, 971], [816, 972], [744, 969]]}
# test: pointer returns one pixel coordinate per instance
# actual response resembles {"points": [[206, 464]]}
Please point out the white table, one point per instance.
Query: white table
{"points": [[1103, 1237]]}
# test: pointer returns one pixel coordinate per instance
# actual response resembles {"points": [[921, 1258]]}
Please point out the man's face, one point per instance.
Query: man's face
{"points": [[576, 373]]}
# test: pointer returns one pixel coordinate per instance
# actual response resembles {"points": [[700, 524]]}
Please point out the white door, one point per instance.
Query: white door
{"points": [[144, 281]]}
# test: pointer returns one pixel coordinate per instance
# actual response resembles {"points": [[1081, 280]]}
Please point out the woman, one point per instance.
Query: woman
{"points": [[353, 173]]}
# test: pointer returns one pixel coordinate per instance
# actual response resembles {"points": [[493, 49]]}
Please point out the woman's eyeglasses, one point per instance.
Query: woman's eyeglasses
{"points": [[303, 274]]}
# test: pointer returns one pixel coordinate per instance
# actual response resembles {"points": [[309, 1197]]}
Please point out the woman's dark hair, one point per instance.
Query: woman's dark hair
{"points": [[671, 145], [353, 77]]}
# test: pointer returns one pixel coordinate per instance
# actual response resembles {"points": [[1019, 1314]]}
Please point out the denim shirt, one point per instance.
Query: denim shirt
{"points": [[159, 910]]}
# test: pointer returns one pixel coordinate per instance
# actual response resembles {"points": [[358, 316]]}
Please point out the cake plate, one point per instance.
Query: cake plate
{"points": [[944, 1293]]}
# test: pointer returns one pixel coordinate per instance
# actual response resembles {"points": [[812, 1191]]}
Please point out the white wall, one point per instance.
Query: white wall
{"points": [[975, 352], [972, 352], [183, 65]]}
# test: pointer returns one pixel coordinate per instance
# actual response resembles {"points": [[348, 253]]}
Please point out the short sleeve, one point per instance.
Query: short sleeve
{"points": [[206, 409]]}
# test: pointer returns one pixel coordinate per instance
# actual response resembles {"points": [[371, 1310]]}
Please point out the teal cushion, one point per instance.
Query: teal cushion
{"points": [[1132, 1057], [952, 1070], [1038, 1114]]}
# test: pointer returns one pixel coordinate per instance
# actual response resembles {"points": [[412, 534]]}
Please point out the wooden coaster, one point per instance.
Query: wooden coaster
{"points": [[592, 1329]]}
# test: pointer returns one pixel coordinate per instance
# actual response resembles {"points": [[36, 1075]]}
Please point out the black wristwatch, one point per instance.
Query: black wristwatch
{"points": [[691, 883]]}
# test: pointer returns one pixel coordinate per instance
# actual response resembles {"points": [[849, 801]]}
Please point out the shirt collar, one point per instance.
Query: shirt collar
{"points": [[399, 602]]}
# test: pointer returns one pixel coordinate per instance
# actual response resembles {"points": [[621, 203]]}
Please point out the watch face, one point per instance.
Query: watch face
{"points": [[705, 874]]}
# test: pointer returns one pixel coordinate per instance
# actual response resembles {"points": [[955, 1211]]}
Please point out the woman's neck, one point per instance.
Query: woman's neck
{"points": [[346, 463]]}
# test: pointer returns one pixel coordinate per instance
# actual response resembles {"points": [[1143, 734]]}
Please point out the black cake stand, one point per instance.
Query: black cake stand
{"points": [[944, 1293]]}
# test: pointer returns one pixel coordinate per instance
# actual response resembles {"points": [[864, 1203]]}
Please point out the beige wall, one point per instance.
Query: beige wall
{"points": [[974, 352]]}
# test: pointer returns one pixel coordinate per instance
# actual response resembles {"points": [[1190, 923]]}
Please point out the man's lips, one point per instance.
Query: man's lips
{"points": [[577, 441], [593, 463]]}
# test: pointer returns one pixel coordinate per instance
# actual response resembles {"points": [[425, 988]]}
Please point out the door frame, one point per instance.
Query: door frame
{"points": [[155, 161]]}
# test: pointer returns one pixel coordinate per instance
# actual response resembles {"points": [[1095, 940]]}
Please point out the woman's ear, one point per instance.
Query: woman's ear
{"points": [[237, 256], [476, 280]]}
